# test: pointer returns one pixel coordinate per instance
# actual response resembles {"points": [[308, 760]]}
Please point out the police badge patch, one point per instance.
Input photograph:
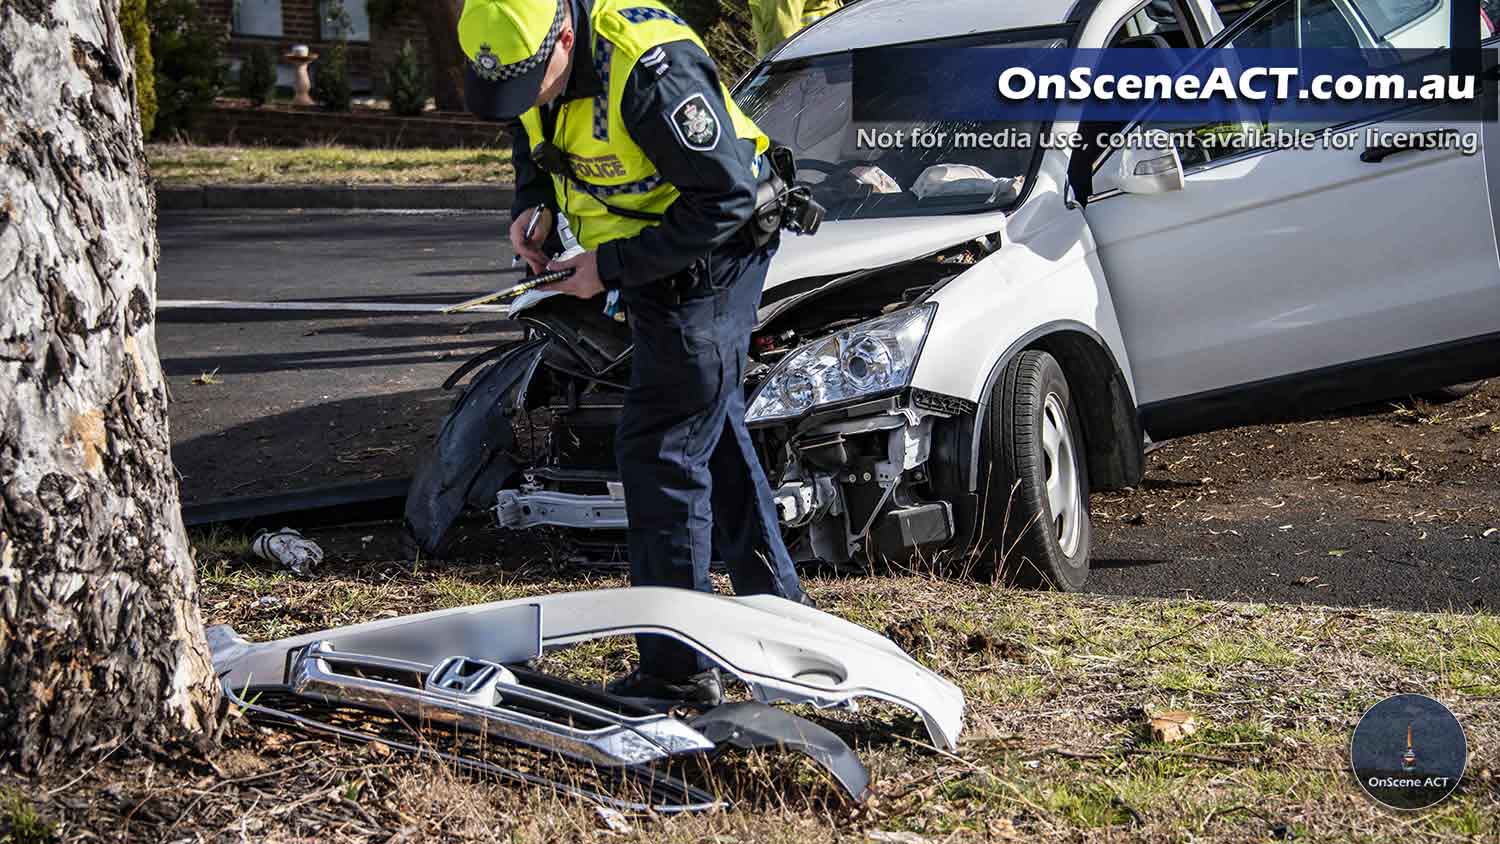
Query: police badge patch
{"points": [[695, 124], [486, 64]]}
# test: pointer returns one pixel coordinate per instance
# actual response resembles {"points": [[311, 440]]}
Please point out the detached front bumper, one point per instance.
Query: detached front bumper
{"points": [[464, 669]]}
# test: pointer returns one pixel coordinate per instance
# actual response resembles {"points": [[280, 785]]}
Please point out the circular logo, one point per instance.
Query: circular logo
{"points": [[1408, 752]]}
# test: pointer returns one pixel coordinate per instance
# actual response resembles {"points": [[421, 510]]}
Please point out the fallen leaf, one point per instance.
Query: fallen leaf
{"points": [[1338, 552], [1172, 725], [207, 378]]}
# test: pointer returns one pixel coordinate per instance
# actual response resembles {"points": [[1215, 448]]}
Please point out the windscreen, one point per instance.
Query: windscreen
{"points": [[855, 169]]}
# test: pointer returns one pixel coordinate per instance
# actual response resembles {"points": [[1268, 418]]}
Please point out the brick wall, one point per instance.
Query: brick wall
{"points": [[300, 24], [233, 121]]}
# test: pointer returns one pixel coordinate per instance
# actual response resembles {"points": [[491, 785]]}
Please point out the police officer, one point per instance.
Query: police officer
{"points": [[775, 21], [626, 129]]}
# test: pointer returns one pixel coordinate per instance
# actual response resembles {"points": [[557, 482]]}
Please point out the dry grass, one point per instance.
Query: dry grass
{"points": [[178, 164], [1055, 747]]}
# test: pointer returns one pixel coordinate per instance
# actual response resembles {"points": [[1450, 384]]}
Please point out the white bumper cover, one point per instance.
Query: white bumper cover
{"points": [[784, 651]]}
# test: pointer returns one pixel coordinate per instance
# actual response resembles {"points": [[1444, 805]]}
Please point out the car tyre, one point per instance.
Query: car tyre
{"points": [[1036, 510]]}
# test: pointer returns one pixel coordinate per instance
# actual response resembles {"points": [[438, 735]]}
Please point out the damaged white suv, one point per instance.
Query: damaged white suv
{"points": [[976, 338]]}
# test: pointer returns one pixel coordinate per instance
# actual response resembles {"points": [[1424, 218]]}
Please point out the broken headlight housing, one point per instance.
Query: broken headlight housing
{"points": [[863, 360]]}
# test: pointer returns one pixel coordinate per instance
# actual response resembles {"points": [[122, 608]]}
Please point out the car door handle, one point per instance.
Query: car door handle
{"points": [[1441, 138]]}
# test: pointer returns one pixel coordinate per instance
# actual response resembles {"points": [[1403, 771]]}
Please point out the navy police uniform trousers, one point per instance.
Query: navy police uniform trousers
{"points": [[692, 481]]}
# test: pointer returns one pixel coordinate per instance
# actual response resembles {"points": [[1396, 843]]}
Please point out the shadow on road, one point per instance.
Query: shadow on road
{"points": [[322, 444]]}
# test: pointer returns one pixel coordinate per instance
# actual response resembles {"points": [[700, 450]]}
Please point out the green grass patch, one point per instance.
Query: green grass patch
{"points": [[179, 164], [20, 823], [1058, 689]]}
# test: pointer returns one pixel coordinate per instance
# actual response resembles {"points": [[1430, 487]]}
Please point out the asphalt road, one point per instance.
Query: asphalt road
{"points": [[266, 401], [271, 400]]}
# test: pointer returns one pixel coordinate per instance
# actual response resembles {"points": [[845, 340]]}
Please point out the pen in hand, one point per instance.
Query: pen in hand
{"points": [[536, 217]]}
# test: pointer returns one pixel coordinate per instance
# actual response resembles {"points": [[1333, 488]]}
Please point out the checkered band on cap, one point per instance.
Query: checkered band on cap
{"points": [[641, 14], [506, 72]]}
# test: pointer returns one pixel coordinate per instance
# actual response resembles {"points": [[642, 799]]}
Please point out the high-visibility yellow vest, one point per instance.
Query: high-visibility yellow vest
{"points": [[774, 21], [608, 162]]}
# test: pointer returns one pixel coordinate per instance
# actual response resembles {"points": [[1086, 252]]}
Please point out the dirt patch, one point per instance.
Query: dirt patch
{"points": [[1395, 504]]}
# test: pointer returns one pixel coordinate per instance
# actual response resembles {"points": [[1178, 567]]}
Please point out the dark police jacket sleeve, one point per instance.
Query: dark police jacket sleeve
{"points": [[716, 186], [533, 187]]}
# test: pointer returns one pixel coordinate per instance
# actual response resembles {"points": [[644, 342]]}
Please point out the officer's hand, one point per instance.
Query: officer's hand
{"points": [[531, 251], [584, 282]]}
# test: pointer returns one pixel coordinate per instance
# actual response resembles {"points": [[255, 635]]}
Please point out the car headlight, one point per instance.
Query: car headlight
{"points": [[865, 359]]}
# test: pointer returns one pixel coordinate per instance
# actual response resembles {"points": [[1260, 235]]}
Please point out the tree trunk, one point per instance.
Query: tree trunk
{"points": [[440, 17], [101, 642]]}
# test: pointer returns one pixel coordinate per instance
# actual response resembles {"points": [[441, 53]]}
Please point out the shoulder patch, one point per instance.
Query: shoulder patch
{"points": [[695, 124]]}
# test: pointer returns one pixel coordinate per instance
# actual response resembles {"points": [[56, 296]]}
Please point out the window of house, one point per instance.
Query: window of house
{"points": [[257, 17], [347, 19]]}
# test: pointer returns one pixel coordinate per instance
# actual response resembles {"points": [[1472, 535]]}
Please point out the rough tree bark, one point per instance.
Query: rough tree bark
{"points": [[440, 17], [101, 642]]}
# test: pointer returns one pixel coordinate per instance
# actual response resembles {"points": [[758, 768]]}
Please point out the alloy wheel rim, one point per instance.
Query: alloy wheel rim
{"points": [[1064, 492]]}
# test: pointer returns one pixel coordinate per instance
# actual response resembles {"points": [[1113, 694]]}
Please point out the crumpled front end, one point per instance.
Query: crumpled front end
{"points": [[851, 472], [473, 453]]}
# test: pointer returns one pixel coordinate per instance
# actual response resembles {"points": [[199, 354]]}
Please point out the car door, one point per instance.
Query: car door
{"points": [[1290, 280], [1491, 36]]}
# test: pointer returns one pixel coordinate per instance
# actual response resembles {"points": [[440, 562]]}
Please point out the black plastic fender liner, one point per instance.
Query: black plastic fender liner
{"points": [[752, 724], [471, 455]]}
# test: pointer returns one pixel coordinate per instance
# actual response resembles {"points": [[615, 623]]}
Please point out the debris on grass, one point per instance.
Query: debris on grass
{"points": [[204, 379], [288, 548], [1274, 692], [268, 603]]}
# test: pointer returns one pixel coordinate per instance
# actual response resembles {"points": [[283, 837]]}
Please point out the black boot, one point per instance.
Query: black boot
{"points": [[703, 689]]}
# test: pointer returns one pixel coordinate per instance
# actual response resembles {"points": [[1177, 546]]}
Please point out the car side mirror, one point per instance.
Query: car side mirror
{"points": [[1156, 170]]}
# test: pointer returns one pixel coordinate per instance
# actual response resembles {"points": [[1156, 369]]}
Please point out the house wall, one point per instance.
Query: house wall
{"points": [[301, 24]]}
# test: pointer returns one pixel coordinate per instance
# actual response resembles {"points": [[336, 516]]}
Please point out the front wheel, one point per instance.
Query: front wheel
{"points": [[1036, 507]]}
